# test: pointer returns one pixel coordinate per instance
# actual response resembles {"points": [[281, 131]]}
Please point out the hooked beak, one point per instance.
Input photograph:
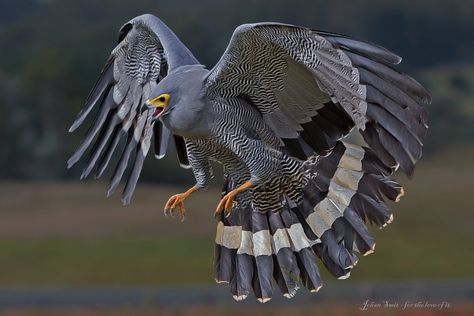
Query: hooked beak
{"points": [[148, 106]]}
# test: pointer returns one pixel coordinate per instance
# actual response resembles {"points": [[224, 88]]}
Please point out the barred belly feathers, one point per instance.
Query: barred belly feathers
{"points": [[275, 112]]}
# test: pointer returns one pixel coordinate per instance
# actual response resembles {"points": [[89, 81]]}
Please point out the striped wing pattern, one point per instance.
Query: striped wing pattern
{"points": [[133, 69], [312, 87]]}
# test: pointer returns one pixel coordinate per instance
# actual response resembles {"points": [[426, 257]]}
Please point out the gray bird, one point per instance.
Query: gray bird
{"points": [[275, 112]]}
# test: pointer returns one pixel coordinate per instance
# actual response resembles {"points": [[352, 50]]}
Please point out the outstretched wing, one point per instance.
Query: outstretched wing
{"points": [[313, 87], [134, 68]]}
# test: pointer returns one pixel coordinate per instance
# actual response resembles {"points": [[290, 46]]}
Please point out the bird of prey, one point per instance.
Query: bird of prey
{"points": [[275, 112]]}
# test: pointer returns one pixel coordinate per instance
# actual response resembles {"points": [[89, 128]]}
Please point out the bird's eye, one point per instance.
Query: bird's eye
{"points": [[161, 100]]}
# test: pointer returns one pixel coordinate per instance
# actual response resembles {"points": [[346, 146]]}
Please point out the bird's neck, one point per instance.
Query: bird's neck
{"points": [[191, 119]]}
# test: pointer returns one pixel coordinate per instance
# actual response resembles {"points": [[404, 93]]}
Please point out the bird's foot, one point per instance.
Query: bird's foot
{"points": [[227, 200], [176, 204], [226, 204]]}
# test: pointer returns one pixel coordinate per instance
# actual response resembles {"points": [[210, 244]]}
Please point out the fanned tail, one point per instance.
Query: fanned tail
{"points": [[254, 248], [344, 191]]}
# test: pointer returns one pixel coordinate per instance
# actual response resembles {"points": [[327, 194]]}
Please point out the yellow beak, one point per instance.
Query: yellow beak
{"points": [[159, 103]]}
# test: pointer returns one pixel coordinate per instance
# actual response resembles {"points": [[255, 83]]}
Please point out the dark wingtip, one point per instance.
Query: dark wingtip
{"points": [[422, 93], [362, 47], [78, 121], [126, 200], [72, 161], [84, 174], [111, 191], [69, 165], [408, 170], [73, 127], [99, 173], [427, 99], [396, 59]]}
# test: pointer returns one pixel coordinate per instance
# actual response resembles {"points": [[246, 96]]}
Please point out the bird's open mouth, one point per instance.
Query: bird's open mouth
{"points": [[157, 112]]}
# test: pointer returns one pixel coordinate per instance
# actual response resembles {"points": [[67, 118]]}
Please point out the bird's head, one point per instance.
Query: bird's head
{"points": [[163, 97], [182, 87], [158, 103]]}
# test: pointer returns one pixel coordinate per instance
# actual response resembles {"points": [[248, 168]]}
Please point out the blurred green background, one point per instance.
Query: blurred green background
{"points": [[57, 232]]}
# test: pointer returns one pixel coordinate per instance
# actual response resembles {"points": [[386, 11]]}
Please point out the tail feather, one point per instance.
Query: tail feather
{"points": [[342, 192], [262, 250], [389, 187], [344, 233], [310, 276], [227, 242], [356, 228], [376, 212], [302, 238], [337, 259], [372, 165], [300, 215], [241, 284], [286, 270], [224, 256], [334, 268]]}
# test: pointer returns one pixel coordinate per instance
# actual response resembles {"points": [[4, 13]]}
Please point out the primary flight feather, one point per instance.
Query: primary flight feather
{"points": [[274, 112]]}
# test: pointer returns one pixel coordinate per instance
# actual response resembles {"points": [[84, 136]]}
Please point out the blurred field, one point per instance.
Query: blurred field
{"points": [[70, 234], [313, 309]]}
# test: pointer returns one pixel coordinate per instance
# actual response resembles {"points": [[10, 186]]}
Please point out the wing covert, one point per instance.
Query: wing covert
{"points": [[136, 65], [313, 87]]}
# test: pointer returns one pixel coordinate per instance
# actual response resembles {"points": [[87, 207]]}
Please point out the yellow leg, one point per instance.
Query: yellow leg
{"points": [[228, 199], [176, 201]]}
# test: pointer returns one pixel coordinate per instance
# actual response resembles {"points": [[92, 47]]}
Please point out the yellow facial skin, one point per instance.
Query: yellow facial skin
{"points": [[160, 101]]}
